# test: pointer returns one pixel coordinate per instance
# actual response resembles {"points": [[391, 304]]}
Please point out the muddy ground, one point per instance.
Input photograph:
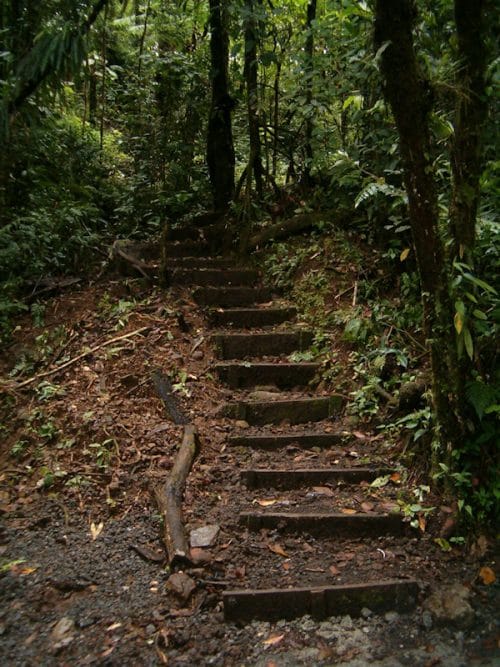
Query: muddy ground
{"points": [[83, 578]]}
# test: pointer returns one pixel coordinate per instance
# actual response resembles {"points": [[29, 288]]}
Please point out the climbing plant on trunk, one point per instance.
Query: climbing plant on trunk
{"points": [[220, 150], [409, 95]]}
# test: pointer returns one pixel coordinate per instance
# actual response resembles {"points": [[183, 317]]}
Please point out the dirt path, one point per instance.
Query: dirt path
{"points": [[298, 501]]}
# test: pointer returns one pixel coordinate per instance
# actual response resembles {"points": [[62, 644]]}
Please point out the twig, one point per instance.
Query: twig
{"points": [[355, 295], [73, 361]]}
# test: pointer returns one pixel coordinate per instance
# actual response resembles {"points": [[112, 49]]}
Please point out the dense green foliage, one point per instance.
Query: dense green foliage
{"points": [[103, 128]]}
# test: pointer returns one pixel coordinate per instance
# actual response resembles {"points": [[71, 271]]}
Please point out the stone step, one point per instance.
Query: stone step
{"points": [[281, 375], [250, 317], [295, 411], [320, 602], [327, 524], [260, 478], [213, 277], [241, 345], [231, 296], [199, 262], [304, 440]]}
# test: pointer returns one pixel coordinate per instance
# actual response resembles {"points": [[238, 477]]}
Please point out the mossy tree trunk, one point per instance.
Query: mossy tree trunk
{"points": [[309, 80], [220, 149], [469, 116], [408, 95]]}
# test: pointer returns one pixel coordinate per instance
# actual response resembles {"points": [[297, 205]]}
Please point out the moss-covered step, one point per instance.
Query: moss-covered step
{"points": [[304, 440], [259, 478], [189, 262], [295, 411], [242, 345], [320, 602], [212, 276], [231, 296], [327, 524], [239, 375], [185, 249], [246, 318]]}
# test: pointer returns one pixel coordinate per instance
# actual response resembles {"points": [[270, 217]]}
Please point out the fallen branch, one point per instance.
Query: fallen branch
{"points": [[169, 500], [286, 228], [164, 389], [73, 361]]}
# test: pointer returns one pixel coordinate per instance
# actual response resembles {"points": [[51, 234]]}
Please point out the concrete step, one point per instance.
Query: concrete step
{"points": [[327, 524], [260, 478], [320, 602], [281, 375], [231, 296], [213, 277], [250, 317], [295, 411], [184, 233], [241, 345]]}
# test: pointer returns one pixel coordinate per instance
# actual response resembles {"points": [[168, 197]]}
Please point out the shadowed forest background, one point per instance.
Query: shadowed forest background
{"points": [[377, 118]]}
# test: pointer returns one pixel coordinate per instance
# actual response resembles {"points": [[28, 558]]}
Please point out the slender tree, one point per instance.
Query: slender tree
{"points": [[220, 150], [309, 80], [251, 80]]}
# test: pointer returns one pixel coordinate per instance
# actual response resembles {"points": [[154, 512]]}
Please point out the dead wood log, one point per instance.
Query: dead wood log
{"points": [[124, 255], [165, 391], [285, 228], [169, 500]]}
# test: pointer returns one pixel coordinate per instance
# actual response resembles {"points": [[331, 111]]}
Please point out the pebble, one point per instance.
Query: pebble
{"points": [[366, 613], [427, 620], [391, 616], [346, 622], [241, 423]]}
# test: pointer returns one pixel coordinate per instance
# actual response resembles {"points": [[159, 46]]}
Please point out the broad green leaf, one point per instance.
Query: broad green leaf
{"points": [[459, 322], [469, 345]]}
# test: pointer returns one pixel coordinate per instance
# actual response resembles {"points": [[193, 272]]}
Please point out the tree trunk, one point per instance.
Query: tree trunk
{"points": [[251, 79], [470, 113], [407, 93], [309, 79], [220, 150]]}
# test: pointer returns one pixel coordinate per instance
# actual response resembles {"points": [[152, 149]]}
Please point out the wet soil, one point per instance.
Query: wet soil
{"points": [[83, 579]]}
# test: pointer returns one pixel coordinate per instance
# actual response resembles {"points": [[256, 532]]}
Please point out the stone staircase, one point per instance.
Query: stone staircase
{"points": [[253, 333]]}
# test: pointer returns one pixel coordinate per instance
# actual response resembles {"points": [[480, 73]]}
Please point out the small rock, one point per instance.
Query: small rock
{"points": [[391, 616], [198, 355], [327, 630], [263, 395], [241, 423], [307, 624], [346, 622], [63, 627], [366, 613], [206, 536], [450, 605], [181, 585], [62, 633], [200, 556], [427, 620]]}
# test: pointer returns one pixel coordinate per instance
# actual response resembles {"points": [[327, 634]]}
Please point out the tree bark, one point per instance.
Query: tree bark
{"points": [[309, 79], [470, 113], [251, 79], [220, 150], [408, 95]]}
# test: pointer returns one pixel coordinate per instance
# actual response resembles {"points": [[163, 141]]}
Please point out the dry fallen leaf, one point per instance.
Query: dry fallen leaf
{"points": [[367, 507], [348, 510], [487, 576], [422, 523], [323, 491], [273, 640], [396, 477], [277, 549], [95, 531], [265, 503], [334, 570]]}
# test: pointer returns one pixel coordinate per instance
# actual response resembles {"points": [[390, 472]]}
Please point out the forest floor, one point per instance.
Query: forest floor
{"points": [[83, 578]]}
